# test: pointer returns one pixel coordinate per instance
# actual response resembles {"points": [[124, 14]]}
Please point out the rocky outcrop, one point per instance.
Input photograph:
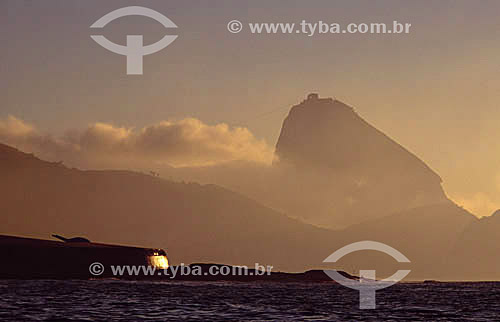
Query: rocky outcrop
{"points": [[336, 169]]}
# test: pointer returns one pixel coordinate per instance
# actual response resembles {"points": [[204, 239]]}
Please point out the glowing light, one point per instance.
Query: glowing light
{"points": [[159, 261]]}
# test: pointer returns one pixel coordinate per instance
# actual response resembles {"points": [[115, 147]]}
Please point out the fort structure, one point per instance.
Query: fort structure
{"points": [[314, 98]]}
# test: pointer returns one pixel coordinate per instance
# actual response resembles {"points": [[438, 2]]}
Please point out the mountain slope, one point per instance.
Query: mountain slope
{"points": [[354, 171], [426, 235], [477, 248], [191, 221]]}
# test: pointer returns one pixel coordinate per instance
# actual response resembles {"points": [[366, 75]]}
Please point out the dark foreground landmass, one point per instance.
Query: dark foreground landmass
{"points": [[29, 258]]}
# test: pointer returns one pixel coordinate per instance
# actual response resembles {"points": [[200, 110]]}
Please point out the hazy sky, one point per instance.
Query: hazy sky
{"points": [[434, 90]]}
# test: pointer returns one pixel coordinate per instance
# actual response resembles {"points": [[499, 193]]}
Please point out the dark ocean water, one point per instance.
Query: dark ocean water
{"points": [[160, 301]]}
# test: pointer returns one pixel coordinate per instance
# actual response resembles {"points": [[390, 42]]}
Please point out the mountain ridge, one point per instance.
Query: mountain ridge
{"points": [[209, 223]]}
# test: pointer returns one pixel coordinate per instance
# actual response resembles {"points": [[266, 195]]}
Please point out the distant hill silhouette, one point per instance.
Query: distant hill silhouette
{"points": [[477, 249], [207, 223], [428, 235]]}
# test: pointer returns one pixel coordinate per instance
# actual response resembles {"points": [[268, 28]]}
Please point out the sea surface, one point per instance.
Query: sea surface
{"points": [[111, 300]]}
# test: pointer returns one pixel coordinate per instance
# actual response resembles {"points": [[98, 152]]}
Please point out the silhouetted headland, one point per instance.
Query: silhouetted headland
{"points": [[29, 258]]}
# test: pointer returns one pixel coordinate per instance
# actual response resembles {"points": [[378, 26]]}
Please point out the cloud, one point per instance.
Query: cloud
{"points": [[187, 142], [12, 127]]}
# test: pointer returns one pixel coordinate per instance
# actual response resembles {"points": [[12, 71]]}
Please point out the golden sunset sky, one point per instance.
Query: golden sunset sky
{"points": [[435, 90]]}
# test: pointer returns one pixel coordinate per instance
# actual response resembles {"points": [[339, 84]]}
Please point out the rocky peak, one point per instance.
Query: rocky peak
{"points": [[348, 162]]}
